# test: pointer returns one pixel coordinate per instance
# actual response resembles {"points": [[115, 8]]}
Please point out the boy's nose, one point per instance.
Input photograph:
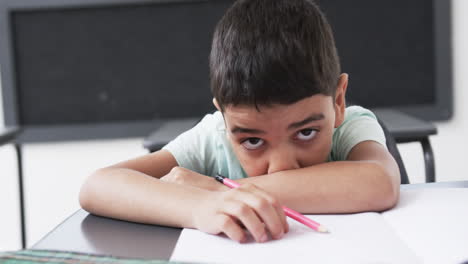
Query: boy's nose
{"points": [[282, 161]]}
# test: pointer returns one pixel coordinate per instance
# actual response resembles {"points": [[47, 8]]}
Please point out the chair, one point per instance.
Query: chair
{"points": [[406, 128], [393, 149]]}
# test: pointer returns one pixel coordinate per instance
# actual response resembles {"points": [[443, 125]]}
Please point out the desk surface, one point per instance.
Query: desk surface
{"points": [[84, 232]]}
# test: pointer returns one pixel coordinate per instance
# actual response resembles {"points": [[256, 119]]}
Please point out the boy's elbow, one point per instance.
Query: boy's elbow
{"points": [[88, 192], [85, 198], [382, 188], [388, 192], [388, 198]]}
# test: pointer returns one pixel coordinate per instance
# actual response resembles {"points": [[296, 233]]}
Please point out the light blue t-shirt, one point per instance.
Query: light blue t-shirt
{"points": [[206, 149]]}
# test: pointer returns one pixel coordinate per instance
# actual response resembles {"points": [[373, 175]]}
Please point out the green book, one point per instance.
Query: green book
{"points": [[31, 256]]}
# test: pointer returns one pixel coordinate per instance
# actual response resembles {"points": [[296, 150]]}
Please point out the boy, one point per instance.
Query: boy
{"points": [[282, 131]]}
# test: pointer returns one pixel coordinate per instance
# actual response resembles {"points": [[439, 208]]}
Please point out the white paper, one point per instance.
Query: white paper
{"points": [[427, 226], [433, 223], [355, 238]]}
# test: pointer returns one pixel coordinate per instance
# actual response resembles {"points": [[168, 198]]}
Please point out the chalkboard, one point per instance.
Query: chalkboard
{"points": [[390, 50], [109, 68]]}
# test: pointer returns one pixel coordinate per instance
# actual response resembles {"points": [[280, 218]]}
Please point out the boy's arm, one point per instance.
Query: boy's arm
{"points": [[127, 191], [131, 191], [368, 181]]}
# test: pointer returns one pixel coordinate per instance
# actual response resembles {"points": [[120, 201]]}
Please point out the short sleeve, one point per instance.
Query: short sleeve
{"points": [[193, 149], [360, 125]]}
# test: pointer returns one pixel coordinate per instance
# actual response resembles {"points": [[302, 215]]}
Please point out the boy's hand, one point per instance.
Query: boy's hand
{"points": [[246, 206], [181, 175]]}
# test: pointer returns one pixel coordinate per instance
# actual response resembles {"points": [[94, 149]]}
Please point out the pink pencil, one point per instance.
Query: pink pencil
{"points": [[288, 211]]}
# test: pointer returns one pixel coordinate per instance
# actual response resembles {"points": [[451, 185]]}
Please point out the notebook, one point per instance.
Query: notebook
{"points": [[427, 226]]}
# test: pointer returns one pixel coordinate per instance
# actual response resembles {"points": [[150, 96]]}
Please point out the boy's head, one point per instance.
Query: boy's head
{"points": [[272, 52], [275, 75]]}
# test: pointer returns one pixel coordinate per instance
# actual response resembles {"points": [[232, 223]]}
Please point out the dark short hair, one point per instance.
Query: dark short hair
{"points": [[272, 52]]}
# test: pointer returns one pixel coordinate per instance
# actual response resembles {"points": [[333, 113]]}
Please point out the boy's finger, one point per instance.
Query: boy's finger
{"points": [[231, 229], [249, 219], [282, 216], [278, 208], [254, 197]]}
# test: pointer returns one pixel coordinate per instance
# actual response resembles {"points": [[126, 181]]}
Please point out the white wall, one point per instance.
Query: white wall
{"points": [[54, 172], [452, 143]]}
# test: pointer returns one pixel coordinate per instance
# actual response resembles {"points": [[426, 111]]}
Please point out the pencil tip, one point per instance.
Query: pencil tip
{"points": [[323, 229]]}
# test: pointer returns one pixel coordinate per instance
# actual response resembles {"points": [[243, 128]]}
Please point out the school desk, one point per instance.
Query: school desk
{"points": [[84, 232]]}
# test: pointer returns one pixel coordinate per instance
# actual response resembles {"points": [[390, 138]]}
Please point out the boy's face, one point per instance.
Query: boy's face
{"points": [[284, 137]]}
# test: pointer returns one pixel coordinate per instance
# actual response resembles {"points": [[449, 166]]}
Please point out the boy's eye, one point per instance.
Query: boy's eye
{"points": [[252, 143], [306, 134]]}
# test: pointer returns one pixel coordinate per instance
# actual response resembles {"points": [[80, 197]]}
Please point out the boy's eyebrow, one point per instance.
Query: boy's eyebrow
{"points": [[238, 129], [311, 118]]}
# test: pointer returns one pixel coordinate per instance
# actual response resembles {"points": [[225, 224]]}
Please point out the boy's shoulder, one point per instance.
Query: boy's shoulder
{"points": [[355, 111], [212, 121], [359, 125]]}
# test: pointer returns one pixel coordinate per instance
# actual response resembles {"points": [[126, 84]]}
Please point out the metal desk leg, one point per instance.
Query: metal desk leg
{"points": [[428, 159], [21, 194]]}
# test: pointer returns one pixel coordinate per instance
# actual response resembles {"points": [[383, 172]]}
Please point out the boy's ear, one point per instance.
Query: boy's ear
{"points": [[340, 100], [216, 104]]}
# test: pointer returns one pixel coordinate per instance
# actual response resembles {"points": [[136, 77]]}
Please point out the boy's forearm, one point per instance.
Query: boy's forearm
{"points": [[133, 196], [334, 187]]}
